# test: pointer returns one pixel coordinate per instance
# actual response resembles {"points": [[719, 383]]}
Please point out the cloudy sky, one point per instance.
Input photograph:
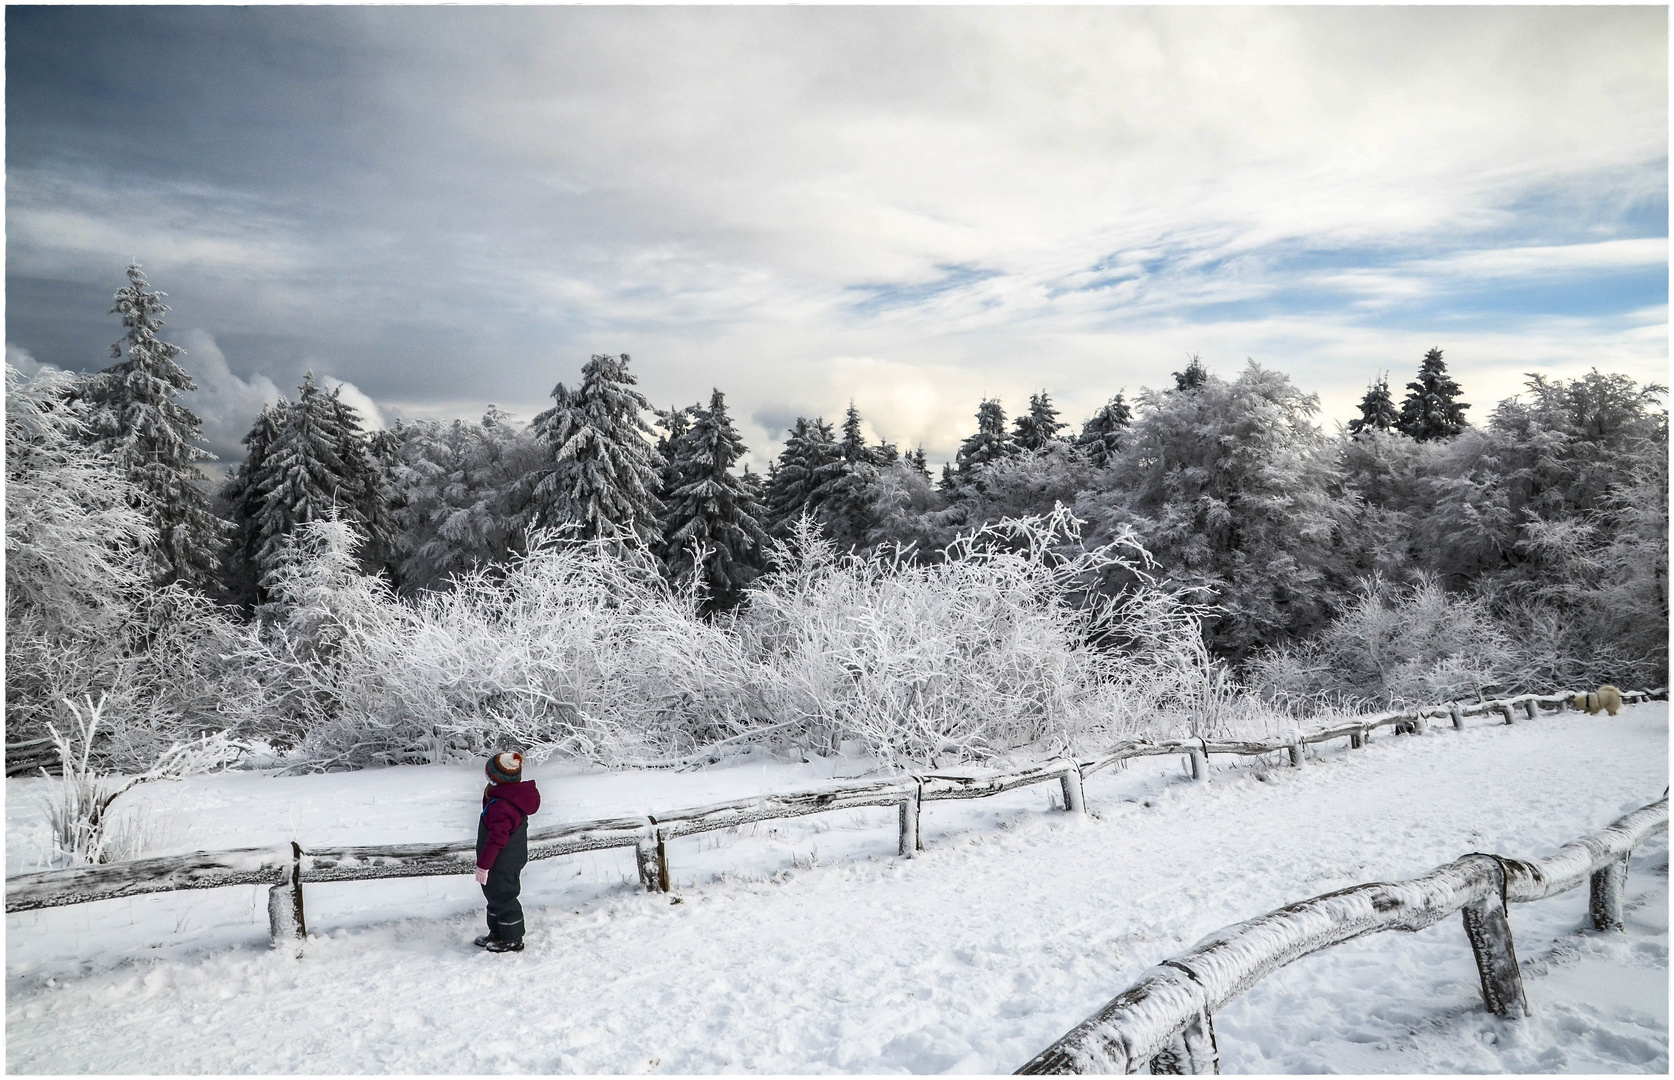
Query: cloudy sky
{"points": [[911, 207]]}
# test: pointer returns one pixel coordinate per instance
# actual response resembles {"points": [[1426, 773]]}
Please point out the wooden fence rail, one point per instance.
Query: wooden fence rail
{"points": [[289, 868], [1165, 1020]]}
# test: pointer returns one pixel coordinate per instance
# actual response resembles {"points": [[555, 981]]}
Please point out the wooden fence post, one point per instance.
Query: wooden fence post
{"points": [[909, 826], [1192, 1052], [1357, 739], [1296, 755], [1529, 707], [286, 921], [652, 860], [1505, 711], [1458, 716], [1496, 958], [1075, 800], [1200, 763], [1605, 904]]}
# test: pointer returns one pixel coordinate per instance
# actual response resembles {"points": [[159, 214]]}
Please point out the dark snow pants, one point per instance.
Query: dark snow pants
{"points": [[505, 914]]}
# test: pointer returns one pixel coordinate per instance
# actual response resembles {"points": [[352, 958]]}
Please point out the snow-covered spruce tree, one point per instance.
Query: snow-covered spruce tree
{"points": [[918, 462], [711, 521], [135, 418], [1432, 409], [241, 573], [989, 444], [842, 501], [1193, 377], [1038, 428], [602, 473], [460, 492], [1377, 409], [809, 461], [316, 467], [1101, 436]]}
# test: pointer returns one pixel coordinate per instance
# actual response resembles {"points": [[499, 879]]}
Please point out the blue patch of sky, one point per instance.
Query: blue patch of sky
{"points": [[887, 296]]}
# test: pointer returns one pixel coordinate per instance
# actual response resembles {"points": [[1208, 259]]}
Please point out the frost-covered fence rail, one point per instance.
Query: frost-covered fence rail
{"points": [[1166, 1019], [289, 869], [199, 870]]}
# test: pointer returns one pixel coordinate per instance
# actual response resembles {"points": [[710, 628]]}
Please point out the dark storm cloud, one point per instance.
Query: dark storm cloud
{"points": [[912, 207]]}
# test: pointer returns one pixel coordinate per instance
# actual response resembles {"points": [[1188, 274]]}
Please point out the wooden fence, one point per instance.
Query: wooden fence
{"points": [[287, 869], [1166, 1019]]}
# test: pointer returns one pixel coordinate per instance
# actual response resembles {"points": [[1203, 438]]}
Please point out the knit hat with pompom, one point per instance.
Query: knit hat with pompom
{"points": [[506, 768]]}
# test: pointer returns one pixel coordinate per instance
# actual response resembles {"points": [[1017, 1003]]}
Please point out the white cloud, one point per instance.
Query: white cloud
{"points": [[25, 363], [226, 404], [371, 418]]}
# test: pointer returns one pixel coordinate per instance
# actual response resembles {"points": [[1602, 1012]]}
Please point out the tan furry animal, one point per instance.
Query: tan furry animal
{"points": [[1605, 699]]}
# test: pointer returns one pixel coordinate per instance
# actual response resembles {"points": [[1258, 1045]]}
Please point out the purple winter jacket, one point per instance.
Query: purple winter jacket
{"points": [[504, 808]]}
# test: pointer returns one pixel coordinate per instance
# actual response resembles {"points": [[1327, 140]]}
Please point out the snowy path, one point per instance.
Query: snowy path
{"points": [[815, 950]]}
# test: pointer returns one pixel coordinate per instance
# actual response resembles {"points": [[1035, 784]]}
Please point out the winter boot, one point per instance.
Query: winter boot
{"points": [[482, 942], [496, 945]]}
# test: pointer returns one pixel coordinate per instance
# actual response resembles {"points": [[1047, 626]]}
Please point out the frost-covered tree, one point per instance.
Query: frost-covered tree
{"points": [[135, 417], [1101, 436], [810, 460], [84, 616], [1377, 409], [917, 461], [1039, 427], [77, 550], [309, 461], [1194, 376], [241, 571], [711, 520], [842, 501], [989, 444], [460, 492], [603, 472], [1230, 487], [1432, 409]]}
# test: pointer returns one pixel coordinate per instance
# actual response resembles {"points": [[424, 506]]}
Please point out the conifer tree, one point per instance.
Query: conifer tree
{"points": [[602, 474], [918, 462], [810, 459], [1431, 409], [988, 444], [317, 468], [842, 500], [1039, 427], [948, 480], [713, 515], [853, 442], [241, 577], [1101, 436], [1193, 377], [1377, 409], [135, 418]]}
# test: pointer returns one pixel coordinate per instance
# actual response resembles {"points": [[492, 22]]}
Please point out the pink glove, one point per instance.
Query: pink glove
{"points": [[482, 876]]}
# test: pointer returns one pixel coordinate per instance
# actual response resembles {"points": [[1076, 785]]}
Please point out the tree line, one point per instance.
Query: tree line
{"points": [[1545, 525]]}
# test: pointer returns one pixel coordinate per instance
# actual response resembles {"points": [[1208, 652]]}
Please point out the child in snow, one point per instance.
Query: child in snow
{"points": [[503, 848]]}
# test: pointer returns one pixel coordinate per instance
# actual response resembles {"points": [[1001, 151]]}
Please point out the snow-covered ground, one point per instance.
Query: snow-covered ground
{"points": [[808, 946]]}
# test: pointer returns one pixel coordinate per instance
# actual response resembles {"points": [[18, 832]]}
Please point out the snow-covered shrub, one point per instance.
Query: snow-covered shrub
{"points": [[80, 809], [986, 650], [582, 648], [1394, 646], [578, 647]]}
